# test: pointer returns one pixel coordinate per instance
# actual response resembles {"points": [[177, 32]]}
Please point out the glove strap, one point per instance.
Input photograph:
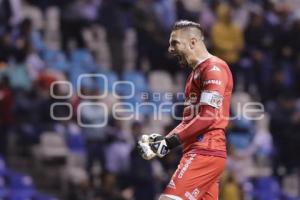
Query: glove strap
{"points": [[173, 141]]}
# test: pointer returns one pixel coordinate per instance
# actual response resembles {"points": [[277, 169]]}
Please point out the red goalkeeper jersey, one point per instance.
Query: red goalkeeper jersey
{"points": [[206, 112]]}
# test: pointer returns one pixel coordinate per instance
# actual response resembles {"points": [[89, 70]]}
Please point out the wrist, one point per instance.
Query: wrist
{"points": [[173, 141]]}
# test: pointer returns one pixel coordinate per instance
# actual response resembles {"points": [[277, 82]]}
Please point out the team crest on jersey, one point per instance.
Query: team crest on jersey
{"points": [[193, 98]]}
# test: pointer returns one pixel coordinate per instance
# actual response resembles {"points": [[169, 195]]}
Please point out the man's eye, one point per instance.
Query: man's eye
{"points": [[174, 43]]}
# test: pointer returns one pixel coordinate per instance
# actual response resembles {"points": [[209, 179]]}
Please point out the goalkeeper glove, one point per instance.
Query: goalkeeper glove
{"points": [[161, 145], [144, 149]]}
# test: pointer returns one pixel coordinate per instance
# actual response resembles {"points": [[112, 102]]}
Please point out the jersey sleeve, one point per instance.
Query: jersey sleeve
{"points": [[214, 79], [213, 83]]}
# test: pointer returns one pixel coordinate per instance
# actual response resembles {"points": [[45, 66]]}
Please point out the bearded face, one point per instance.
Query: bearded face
{"points": [[181, 58], [178, 48]]}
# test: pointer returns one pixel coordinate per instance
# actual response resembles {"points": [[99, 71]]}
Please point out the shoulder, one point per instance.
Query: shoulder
{"points": [[214, 64]]}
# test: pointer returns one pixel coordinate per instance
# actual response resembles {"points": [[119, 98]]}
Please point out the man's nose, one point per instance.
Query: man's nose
{"points": [[171, 49]]}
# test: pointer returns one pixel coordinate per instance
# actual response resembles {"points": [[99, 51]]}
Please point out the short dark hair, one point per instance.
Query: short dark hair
{"points": [[182, 24]]}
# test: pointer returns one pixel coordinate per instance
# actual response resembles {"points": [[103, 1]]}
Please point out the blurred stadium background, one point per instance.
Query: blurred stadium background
{"points": [[43, 41]]}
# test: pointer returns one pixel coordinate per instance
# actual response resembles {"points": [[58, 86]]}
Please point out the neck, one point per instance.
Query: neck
{"points": [[198, 56]]}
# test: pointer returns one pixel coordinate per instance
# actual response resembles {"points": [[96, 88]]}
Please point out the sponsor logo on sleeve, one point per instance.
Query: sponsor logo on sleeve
{"points": [[215, 82], [214, 68]]}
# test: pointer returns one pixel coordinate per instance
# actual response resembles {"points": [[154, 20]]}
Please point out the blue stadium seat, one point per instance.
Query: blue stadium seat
{"points": [[287, 197], [162, 99], [83, 58], [21, 195], [111, 78], [138, 80], [40, 196], [37, 41], [73, 76], [267, 188], [21, 187], [19, 77], [3, 188], [56, 60], [3, 183], [75, 142], [242, 134], [3, 169], [140, 105], [240, 140], [125, 89], [3, 179], [3, 193], [20, 181]]}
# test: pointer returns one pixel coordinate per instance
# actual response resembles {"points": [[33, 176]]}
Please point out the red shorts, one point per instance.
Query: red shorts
{"points": [[196, 178]]}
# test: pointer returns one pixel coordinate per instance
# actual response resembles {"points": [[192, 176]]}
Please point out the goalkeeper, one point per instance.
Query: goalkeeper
{"points": [[205, 117]]}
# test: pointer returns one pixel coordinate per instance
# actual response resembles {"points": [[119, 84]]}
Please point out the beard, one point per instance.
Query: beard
{"points": [[181, 59]]}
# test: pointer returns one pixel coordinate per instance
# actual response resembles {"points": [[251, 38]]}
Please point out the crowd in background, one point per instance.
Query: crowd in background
{"points": [[46, 41]]}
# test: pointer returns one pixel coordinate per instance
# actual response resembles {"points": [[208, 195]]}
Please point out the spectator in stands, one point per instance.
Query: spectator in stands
{"points": [[5, 14], [117, 150], [183, 13], [110, 189], [270, 14], [166, 14], [34, 64], [141, 173], [285, 121], [230, 190], [6, 113], [73, 21], [227, 38], [207, 16], [17, 72], [21, 39], [6, 47], [295, 32], [150, 35], [258, 39], [115, 32], [296, 73], [240, 12], [91, 116], [278, 84], [28, 122], [283, 45]]}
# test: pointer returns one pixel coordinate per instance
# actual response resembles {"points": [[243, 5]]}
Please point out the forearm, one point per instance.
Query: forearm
{"points": [[179, 127], [199, 124], [161, 145]]}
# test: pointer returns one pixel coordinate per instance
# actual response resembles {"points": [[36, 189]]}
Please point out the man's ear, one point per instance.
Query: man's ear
{"points": [[193, 42]]}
